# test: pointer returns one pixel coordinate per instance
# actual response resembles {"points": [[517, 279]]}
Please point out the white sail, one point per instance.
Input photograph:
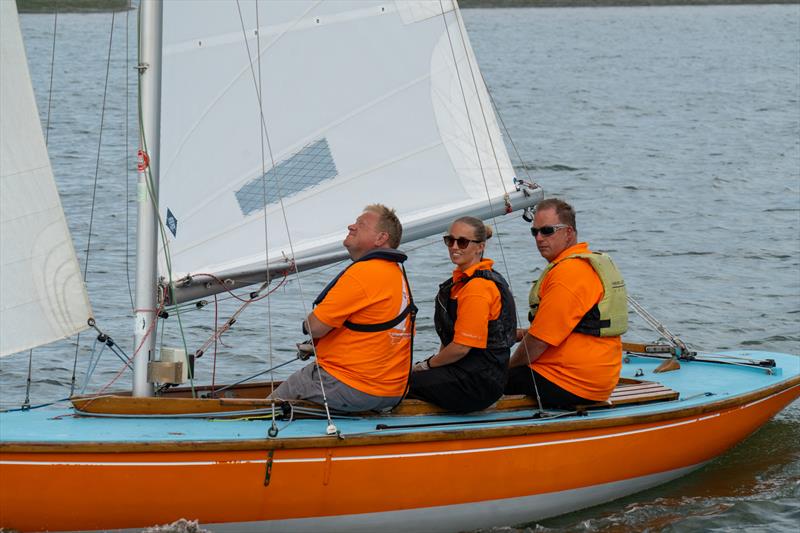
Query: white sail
{"points": [[42, 295], [362, 102]]}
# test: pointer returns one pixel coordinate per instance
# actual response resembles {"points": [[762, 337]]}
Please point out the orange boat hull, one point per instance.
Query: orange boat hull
{"points": [[64, 490]]}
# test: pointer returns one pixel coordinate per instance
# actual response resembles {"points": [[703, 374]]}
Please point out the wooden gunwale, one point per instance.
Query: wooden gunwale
{"points": [[402, 438], [178, 402]]}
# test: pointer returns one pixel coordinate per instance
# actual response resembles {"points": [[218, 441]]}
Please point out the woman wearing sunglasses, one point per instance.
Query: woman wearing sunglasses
{"points": [[476, 322]]}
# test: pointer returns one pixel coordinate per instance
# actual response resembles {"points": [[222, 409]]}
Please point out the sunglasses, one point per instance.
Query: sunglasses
{"points": [[546, 231], [462, 242]]}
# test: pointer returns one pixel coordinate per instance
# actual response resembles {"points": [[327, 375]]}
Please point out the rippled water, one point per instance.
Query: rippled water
{"points": [[675, 132]]}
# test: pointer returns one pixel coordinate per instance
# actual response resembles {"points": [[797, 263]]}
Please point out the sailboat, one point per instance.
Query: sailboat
{"points": [[264, 128]]}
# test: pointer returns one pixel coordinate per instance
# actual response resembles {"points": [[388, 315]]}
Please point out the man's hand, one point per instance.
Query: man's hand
{"points": [[305, 350]]}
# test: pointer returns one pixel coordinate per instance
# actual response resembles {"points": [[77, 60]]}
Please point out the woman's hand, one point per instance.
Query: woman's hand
{"points": [[421, 366]]}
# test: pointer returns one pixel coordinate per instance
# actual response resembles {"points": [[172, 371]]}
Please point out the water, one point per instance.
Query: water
{"points": [[674, 131]]}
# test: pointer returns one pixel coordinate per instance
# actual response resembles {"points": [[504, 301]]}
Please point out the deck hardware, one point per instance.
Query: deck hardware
{"points": [[268, 471], [326, 473], [639, 373]]}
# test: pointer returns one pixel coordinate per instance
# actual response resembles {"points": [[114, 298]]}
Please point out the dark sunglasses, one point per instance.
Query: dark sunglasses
{"points": [[462, 242], [546, 231]]}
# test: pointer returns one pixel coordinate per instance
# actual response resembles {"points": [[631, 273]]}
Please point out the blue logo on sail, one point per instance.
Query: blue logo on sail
{"points": [[310, 166], [172, 223]]}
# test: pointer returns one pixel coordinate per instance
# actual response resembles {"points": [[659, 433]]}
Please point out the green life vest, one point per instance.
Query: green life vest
{"points": [[607, 318]]}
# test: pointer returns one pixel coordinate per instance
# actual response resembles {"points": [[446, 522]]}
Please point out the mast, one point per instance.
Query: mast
{"points": [[145, 318]]}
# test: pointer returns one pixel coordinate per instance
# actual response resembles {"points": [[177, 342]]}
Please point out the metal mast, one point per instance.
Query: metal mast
{"points": [[147, 227]]}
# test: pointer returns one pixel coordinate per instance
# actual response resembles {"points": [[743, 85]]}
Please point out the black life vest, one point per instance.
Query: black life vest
{"points": [[389, 254], [502, 331]]}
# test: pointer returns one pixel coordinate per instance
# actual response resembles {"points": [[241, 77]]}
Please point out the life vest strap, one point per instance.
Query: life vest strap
{"points": [[372, 328]]}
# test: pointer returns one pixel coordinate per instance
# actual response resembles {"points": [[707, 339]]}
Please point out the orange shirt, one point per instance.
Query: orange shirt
{"points": [[370, 292], [582, 364], [478, 303]]}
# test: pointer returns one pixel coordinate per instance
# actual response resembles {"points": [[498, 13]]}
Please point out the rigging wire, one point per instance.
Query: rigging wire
{"points": [[94, 189], [261, 132], [265, 132], [125, 164], [460, 24], [52, 70], [477, 149]]}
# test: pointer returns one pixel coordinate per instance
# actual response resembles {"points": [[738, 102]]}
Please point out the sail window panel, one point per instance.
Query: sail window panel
{"points": [[308, 167]]}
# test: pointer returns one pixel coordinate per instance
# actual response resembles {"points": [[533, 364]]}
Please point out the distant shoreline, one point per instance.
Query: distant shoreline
{"points": [[89, 6]]}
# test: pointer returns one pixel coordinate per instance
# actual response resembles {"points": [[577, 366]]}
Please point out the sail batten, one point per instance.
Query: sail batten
{"points": [[43, 295], [319, 108]]}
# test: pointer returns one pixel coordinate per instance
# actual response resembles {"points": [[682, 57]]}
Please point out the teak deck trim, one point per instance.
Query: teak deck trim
{"points": [[628, 391]]}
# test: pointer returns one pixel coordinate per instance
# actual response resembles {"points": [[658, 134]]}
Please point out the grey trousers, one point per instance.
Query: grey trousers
{"points": [[304, 385]]}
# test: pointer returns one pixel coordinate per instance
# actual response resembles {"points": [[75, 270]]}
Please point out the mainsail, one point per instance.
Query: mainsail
{"points": [[280, 120], [42, 295]]}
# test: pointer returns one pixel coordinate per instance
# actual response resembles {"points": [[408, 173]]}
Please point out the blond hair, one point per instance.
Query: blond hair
{"points": [[387, 222]]}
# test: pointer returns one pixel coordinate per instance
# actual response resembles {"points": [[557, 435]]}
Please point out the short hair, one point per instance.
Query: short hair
{"points": [[388, 222], [564, 211], [482, 231]]}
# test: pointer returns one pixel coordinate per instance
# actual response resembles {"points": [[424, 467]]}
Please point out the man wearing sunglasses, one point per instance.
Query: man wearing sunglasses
{"points": [[572, 352]]}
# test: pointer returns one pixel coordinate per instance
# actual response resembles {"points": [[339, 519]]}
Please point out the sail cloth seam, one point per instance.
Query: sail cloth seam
{"points": [[201, 116]]}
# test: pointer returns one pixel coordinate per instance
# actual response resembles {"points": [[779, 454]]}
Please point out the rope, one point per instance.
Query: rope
{"points": [[273, 428], [508, 133], [265, 132], [491, 141], [232, 319], [94, 191], [477, 151]]}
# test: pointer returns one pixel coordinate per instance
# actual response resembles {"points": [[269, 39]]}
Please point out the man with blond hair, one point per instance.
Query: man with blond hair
{"points": [[361, 325]]}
